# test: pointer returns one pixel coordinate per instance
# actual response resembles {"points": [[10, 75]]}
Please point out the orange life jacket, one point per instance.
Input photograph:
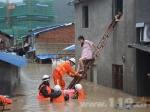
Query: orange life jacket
{"points": [[80, 94], [5, 100], [60, 98], [65, 67], [41, 97]]}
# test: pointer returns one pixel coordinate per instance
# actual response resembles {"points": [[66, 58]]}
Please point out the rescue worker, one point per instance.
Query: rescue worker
{"points": [[62, 97], [79, 93], [45, 91], [61, 69]]}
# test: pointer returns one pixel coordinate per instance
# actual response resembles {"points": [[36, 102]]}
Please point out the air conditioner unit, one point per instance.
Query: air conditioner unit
{"points": [[145, 33]]}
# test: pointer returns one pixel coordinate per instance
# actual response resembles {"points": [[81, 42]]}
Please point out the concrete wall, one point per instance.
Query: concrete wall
{"points": [[101, 13], [9, 78], [142, 11], [98, 23]]}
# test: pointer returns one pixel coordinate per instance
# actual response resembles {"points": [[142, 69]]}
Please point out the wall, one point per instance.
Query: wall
{"points": [[7, 41], [64, 34], [99, 19], [100, 16], [4, 38], [52, 48], [8, 79], [142, 11]]}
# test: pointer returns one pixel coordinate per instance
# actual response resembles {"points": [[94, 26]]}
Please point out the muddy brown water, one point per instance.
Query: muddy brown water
{"points": [[97, 98]]}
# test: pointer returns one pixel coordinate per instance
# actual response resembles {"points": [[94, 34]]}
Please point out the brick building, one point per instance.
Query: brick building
{"points": [[51, 39], [63, 34], [5, 40]]}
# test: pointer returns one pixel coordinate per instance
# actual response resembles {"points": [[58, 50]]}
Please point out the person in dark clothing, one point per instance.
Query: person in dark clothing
{"points": [[45, 91]]}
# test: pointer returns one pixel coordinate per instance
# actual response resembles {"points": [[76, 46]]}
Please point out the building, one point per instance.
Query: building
{"points": [[5, 40], [10, 72], [118, 66], [51, 39], [17, 18]]}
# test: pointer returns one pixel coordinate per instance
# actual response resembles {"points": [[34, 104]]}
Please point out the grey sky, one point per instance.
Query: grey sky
{"points": [[11, 1]]}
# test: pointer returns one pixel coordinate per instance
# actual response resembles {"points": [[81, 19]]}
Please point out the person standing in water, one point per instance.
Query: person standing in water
{"points": [[86, 52]]}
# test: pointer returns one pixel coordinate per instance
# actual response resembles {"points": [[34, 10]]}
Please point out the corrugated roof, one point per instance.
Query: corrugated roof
{"points": [[140, 47], [13, 59], [48, 28], [47, 56], [70, 48], [74, 2]]}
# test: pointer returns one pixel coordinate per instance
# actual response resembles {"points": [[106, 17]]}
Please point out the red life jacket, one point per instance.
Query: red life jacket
{"points": [[49, 90], [60, 98], [80, 94]]}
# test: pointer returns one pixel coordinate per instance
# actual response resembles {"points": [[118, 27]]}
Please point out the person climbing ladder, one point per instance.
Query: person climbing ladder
{"points": [[86, 52]]}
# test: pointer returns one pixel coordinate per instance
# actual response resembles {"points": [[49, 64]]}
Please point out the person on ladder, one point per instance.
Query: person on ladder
{"points": [[86, 52], [61, 69]]}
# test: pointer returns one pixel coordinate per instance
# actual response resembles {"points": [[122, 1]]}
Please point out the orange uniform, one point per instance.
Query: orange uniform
{"points": [[60, 98], [5, 100], [41, 97], [80, 94], [60, 70]]}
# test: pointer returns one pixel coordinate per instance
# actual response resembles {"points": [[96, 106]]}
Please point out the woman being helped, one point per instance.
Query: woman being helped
{"points": [[86, 52]]}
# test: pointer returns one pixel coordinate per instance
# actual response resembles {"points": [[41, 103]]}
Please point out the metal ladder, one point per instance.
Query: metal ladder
{"points": [[89, 63]]}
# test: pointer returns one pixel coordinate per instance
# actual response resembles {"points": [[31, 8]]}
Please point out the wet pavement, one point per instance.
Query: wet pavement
{"points": [[97, 98]]}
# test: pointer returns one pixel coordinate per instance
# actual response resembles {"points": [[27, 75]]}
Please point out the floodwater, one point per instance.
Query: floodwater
{"points": [[97, 98]]}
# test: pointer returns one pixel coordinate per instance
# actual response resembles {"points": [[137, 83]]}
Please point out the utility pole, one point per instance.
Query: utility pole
{"points": [[8, 8]]}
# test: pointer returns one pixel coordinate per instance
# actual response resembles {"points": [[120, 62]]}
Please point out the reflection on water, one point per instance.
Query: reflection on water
{"points": [[31, 76]]}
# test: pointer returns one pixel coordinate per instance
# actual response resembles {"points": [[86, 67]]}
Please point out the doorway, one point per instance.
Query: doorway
{"points": [[117, 76]]}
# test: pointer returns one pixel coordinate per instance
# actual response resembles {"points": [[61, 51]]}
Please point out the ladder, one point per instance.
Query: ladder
{"points": [[89, 63]]}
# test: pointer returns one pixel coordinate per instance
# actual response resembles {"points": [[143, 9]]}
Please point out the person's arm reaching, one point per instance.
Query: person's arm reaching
{"points": [[71, 71], [53, 94], [95, 46], [92, 44], [44, 92]]}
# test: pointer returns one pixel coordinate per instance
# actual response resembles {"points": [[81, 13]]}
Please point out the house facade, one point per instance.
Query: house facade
{"points": [[51, 39], [10, 65], [118, 66], [5, 40]]}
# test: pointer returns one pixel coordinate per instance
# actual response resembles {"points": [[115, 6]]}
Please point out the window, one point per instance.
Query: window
{"points": [[85, 17], [118, 6]]}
